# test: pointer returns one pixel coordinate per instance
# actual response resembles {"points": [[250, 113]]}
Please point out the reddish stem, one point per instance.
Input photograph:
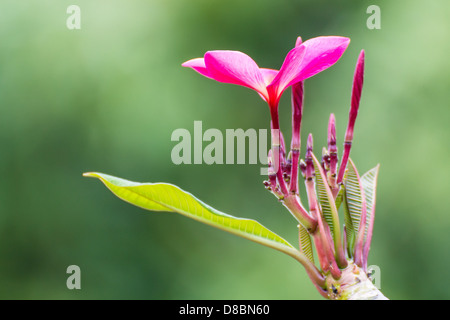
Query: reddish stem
{"points": [[297, 113], [276, 150]]}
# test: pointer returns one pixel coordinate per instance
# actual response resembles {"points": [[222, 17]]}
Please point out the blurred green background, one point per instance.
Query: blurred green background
{"points": [[108, 97]]}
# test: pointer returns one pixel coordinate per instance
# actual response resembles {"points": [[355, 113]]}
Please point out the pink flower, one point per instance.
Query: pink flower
{"points": [[304, 61]]}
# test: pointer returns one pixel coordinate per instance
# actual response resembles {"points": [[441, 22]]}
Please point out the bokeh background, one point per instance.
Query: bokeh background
{"points": [[108, 97]]}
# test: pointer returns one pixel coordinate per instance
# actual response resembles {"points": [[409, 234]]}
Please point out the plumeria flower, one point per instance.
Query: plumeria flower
{"points": [[304, 61]]}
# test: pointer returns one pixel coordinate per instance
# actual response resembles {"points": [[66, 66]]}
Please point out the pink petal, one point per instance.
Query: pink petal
{"points": [[288, 73], [198, 65], [268, 75], [236, 68], [321, 53]]}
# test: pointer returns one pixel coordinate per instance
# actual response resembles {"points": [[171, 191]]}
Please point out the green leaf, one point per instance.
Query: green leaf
{"points": [[369, 184], [340, 197], [329, 210], [354, 204], [323, 200], [305, 243], [170, 198], [349, 230], [326, 200]]}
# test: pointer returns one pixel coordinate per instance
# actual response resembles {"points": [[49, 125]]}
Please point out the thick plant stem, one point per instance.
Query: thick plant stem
{"points": [[293, 204], [364, 291], [314, 274], [354, 284]]}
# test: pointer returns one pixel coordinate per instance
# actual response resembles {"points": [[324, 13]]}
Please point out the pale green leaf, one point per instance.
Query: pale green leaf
{"points": [[369, 184], [329, 210], [349, 230], [353, 195], [354, 203], [323, 200], [340, 197], [327, 203], [305, 243], [168, 197]]}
